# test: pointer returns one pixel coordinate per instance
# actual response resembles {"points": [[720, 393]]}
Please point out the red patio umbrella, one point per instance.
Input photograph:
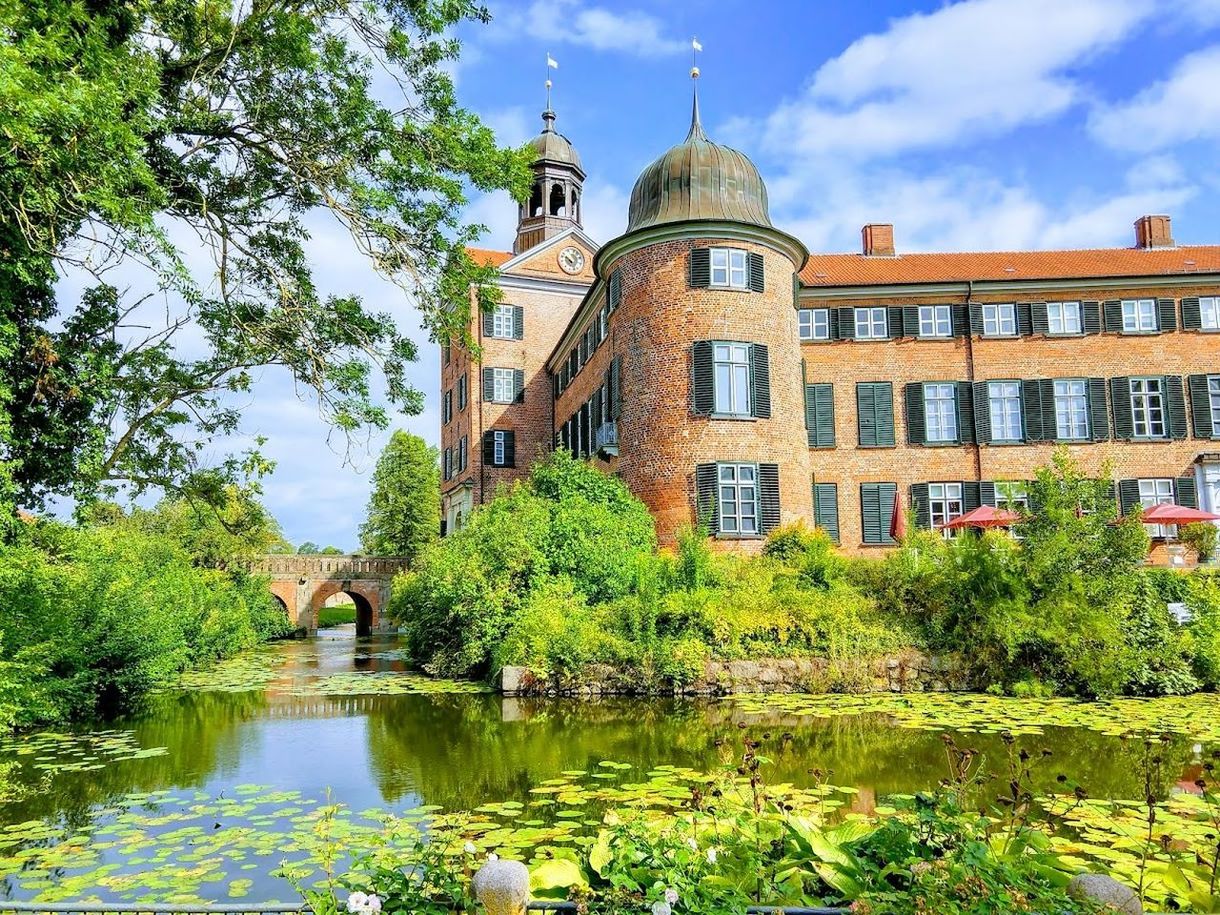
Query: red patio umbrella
{"points": [[984, 516], [898, 520], [1168, 513]]}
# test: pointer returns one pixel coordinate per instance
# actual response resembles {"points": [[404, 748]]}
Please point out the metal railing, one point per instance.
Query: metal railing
{"points": [[135, 908]]}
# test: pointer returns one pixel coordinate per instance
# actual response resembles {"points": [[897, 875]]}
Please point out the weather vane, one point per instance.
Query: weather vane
{"points": [[551, 64], [695, 48]]}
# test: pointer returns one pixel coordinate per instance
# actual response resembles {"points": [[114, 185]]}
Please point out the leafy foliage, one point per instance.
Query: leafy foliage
{"points": [[405, 505]]}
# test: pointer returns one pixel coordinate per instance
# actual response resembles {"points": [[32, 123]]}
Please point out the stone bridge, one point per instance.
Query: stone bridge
{"points": [[303, 583]]}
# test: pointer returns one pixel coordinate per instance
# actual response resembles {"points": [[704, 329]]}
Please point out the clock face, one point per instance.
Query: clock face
{"points": [[572, 260]]}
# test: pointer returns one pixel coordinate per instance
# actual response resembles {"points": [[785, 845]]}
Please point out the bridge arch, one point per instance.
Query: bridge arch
{"points": [[303, 583], [367, 600]]}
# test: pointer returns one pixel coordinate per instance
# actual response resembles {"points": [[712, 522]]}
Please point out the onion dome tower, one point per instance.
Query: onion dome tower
{"points": [[554, 201]]}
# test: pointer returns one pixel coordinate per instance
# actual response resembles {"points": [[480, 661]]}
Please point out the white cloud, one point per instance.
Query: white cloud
{"points": [[573, 22], [1183, 107], [973, 69]]}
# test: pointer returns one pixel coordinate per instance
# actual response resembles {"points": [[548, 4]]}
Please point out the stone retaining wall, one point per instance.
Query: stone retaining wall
{"points": [[907, 672]]}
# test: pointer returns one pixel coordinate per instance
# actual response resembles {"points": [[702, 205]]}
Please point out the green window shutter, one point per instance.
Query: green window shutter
{"points": [[1025, 323], [1033, 412], [982, 416], [760, 380], [595, 409], [971, 495], [768, 497], [616, 386], [1192, 314], [614, 295], [1177, 407], [700, 268], [866, 414], [1099, 413], [1167, 315], [518, 322], [976, 320], [489, 448], [894, 324], [820, 415], [754, 265], [703, 395], [921, 505], [796, 290], [883, 399], [1200, 406], [846, 329], [1090, 317], [1128, 495], [1039, 321], [910, 320], [707, 510], [1113, 311], [489, 385], [489, 324], [965, 411], [1185, 492], [916, 428], [1120, 396], [826, 508], [510, 449], [987, 493], [960, 317], [519, 385], [876, 510]]}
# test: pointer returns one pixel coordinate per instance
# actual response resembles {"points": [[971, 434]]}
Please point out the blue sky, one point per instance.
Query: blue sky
{"points": [[977, 125]]}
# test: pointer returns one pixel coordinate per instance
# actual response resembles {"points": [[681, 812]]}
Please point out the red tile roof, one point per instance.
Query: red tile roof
{"points": [[858, 270], [485, 258]]}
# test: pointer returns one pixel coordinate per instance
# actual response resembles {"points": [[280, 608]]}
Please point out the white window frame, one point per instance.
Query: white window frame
{"points": [[729, 269], [940, 411], [1209, 312], [935, 321], [499, 441], [603, 322], [1140, 316], [1064, 319], [503, 386], [1012, 495], [502, 322], [1072, 420], [999, 319], [1213, 399], [872, 323], [1004, 409], [1148, 409], [731, 381], [944, 504], [813, 324], [1157, 491], [737, 490]]}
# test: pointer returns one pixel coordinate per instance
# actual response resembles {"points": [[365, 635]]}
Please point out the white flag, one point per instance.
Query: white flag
{"points": [[694, 43], [552, 62]]}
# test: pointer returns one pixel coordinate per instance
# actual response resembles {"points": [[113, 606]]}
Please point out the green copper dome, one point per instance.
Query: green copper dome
{"points": [[698, 179]]}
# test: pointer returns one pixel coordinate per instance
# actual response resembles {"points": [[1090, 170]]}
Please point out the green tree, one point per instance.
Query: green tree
{"points": [[153, 133], [405, 506], [308, 548]]}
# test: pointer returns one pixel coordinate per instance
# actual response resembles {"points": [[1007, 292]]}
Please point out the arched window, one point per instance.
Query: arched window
{"points": [[559, 200], [536, 201], [575, 204]]}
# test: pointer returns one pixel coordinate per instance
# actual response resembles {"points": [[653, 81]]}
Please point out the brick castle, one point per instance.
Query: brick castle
{"points": [[730, 378]]}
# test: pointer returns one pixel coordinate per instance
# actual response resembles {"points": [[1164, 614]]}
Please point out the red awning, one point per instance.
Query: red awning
{"points": [[984, 516], [1168, 513]]}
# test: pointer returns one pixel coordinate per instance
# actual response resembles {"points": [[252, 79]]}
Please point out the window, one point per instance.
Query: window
{"points": [[462, 393], [502, 386], [944, 504], [1139, 316], [603, 323], [877, 512], [1157, 492], [935, 321], [1209, 312], [871, 324], [447, 407], [1213, 397], [999, 319], [502, 322], [940, 412], [1004, 399], [461, 459], [813, 323], [738, 498], [1012, 495], [729, 268], [1063, 317], [1071, 409], [447, 466], [732, 374], [1148, 407], [497, 448]]}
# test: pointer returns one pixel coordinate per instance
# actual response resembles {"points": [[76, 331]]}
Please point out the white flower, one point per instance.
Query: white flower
{"points": [[694, 846], [661, 908], [671, 896], [374, 903], [711, 856], [493, 857], [357, 902], [469, 848]]}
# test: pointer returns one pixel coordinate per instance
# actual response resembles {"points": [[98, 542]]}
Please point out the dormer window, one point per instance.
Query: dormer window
{"points": [[729, 268]]}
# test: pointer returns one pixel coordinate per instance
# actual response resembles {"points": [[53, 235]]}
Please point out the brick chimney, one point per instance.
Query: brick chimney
{"points": [[878, 239], [1153, 232]]}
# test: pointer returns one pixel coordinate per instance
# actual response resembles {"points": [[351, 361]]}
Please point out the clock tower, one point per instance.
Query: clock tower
{"points": [[554, 201]]}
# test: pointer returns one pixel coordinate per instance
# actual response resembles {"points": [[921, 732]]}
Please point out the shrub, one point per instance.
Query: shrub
{"points": [[1201, 538]]}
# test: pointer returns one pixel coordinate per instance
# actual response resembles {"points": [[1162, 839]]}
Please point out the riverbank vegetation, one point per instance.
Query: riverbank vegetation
{"points": [[563, 571]]}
